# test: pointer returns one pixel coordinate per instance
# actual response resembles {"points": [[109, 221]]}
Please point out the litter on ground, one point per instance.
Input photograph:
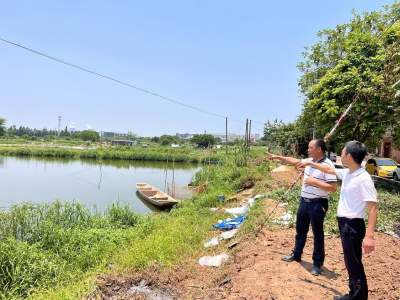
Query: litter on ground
{"points": [[241, 210], [285, 219], [226, 235], [211, 242], [230, 223], [214, 261]]}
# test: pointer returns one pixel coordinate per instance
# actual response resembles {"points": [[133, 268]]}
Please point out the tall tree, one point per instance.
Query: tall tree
{"points": [[358, 59], [2, 125]]}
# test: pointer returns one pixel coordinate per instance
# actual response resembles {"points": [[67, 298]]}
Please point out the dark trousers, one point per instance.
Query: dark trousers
{"points": [[311, 212], [352, 233]]}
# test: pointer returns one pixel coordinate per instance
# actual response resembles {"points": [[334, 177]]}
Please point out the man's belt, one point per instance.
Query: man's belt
{"points": [[308, 200]]}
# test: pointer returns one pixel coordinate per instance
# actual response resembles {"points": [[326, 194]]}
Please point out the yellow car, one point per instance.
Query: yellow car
{"points": [[379, 166]]}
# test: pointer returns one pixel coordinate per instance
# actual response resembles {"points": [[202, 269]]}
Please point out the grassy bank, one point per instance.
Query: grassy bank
{"points": [[55, 251], [124, 153]]}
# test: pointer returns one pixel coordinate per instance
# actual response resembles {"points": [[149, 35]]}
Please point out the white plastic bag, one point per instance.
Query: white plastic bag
{"points": [[211, 242], [251, 201], [259, 196], [214, 261], [226, 235], [241, 210]]}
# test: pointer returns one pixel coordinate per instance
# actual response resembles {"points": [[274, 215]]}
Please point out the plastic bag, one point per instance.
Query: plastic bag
{"points": [[214, 261]]}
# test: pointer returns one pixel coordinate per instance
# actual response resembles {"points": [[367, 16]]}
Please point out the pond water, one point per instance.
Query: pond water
{"points": [[96, 184]]}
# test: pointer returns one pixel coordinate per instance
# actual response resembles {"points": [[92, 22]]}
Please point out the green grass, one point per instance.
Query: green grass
{"points": [[156, 153], [55, 251]]}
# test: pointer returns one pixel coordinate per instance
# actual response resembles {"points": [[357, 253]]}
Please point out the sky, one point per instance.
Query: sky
{"points": [[233, 58]]}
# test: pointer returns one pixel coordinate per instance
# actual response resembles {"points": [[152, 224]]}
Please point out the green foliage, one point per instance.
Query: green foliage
{"points": [[2, 126], [357, 59], [203, 140], [89, 135], [42, 245], [285, 138], [168, 140]]}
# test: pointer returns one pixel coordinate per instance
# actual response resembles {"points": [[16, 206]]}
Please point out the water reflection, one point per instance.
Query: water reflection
{"points": [[96, 183]]}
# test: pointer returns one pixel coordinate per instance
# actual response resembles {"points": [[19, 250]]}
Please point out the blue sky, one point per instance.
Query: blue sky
{"points": [[236, 58]]}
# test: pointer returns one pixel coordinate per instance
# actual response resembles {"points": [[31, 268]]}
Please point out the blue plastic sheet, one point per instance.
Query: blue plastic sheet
{"points": [[231, 223]]}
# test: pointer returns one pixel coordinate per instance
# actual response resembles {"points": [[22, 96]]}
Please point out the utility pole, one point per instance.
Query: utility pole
{"points": [[59, 125], [246, 133], [226, 134], [250, 133]]}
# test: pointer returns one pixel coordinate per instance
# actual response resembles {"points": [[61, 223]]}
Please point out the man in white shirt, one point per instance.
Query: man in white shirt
{"points": [[313, 203], [357, 194]]}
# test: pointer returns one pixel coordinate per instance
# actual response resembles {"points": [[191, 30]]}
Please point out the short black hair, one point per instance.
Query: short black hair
{"points": [[320, 143], [357, 150]]}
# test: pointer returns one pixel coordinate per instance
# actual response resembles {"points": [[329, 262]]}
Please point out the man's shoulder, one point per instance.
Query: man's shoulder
{"points": [[365, 176], [328, 161]]}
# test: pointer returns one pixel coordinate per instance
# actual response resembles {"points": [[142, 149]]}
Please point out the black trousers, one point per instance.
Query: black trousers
{"points": [[311, 212], [352, 233]]}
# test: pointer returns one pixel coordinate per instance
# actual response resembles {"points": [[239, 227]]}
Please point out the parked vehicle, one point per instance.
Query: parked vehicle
{"points": [[396, 174], [383, 167]]}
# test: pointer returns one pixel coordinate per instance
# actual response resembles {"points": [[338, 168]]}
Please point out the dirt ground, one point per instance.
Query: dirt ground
{"points": [[256, 271]]}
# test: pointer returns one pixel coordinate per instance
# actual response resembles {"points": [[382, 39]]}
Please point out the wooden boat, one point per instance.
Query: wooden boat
{"points": [[155, 196]]}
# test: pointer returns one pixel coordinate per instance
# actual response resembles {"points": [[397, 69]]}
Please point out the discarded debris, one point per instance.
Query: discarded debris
{"points": [[211, 242], [230, 223], [147, 292], [226, 235], [214, 261], [226, 280], [259, 196], [233, 244], [285, 219], [251, 201], [241, 210]]}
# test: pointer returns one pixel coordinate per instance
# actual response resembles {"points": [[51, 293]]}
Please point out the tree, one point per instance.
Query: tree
{"points": [[65, 132], [89, 135], [285, 137], [360, 60], [2, 125], [168, 140], [203, 140]]}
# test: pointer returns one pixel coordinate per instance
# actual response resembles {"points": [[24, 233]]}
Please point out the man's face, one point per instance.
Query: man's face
{"points": [[345, 157], [314, 151]]}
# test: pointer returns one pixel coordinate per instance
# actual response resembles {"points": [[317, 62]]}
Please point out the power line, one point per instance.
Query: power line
{"points": [[121, 82]]}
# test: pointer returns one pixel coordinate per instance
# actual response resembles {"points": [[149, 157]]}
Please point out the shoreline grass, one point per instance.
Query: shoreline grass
{"points": [[54, 251], [190, 155]]}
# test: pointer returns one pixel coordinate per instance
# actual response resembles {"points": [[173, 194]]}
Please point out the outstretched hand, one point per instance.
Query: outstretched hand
{"points": [[271, 156]]}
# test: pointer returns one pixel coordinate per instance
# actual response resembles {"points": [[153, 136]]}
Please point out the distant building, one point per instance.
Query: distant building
{"points": [[387, 149], [234, 137], [123, 143], [184, 136], [112, 135], [72, 128], [231, 137]]}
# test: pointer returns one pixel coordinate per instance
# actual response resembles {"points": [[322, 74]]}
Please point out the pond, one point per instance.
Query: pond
{"points": [[96, 184]]}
